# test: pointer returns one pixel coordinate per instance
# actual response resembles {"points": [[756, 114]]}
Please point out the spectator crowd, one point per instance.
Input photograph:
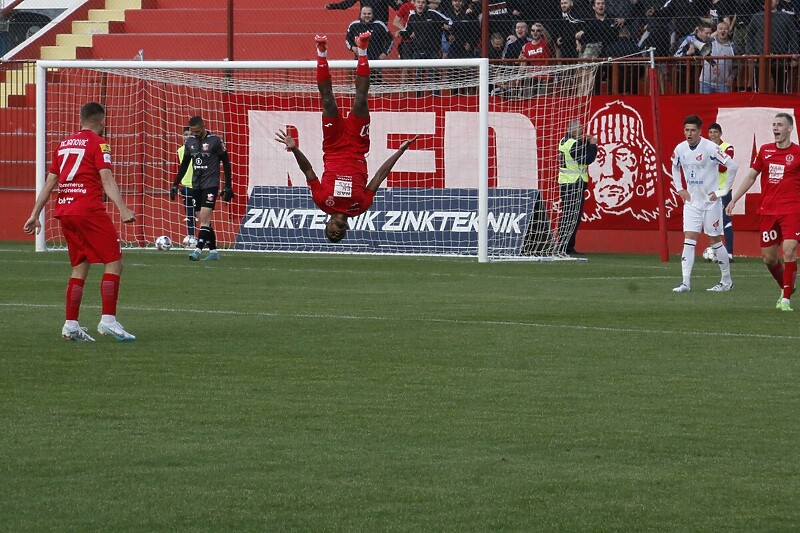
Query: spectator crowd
{"points": [[700, 34]]}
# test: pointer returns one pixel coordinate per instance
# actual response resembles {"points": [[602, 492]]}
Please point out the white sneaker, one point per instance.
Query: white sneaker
{"points": [[721, 287], [115, 330], [75, 334], [682, 288]]}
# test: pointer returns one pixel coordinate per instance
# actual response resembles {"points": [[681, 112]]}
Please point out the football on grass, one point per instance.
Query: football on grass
{"points": [[709, 255], [163, 243], [189, 241]]}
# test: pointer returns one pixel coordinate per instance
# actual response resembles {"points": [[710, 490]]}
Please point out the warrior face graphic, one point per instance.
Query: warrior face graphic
{"points": [[615, 171], [623, 178]]}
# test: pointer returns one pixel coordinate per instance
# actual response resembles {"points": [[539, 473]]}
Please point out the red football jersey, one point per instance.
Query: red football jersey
{"points": [[533, 50], [780, 179], [77, 161], [339, 192], [345, 143]]}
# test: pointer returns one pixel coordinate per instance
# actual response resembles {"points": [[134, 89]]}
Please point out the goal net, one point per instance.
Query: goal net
{"points": [[481, 180]]}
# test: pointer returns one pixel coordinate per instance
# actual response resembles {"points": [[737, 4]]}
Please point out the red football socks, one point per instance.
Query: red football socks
{"points": [[777, 272], [74, 296], [109, 293], [789, 275], [362, 69], [323, 72]]}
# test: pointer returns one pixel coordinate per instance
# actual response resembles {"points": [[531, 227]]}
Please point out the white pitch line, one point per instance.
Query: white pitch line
{"points": [[513, 323]]}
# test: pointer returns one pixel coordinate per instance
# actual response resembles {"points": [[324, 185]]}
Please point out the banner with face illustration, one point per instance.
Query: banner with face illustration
{"points": [[622, 192]]}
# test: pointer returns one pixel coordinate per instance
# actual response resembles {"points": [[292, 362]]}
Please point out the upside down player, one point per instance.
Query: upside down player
{"points": [[81, 168], [343, 190], [779, 166]]}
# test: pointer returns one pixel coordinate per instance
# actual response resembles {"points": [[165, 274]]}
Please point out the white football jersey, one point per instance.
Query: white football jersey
{"points": [[700, 170]]}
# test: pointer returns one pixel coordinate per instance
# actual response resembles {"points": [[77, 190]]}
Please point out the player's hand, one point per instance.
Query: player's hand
{"points": [[283, 137], [407, 143], [227, 194], [173, 192], [712, 196], [127, 215], [683, 193], [32, 226], [729, 209]]}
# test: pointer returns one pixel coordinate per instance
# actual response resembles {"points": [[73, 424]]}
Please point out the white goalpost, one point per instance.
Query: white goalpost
{"points": [[479, 181]]}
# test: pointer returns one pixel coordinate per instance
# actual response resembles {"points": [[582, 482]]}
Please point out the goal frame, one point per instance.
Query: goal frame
{"points": [[482, 139]]}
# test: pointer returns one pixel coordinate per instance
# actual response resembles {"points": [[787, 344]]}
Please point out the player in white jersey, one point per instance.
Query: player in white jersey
{"points": [[699, 159]]}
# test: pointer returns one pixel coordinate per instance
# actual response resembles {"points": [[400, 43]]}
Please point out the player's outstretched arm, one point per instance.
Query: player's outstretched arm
{"points": [[112, 191], [302, 161], [32, 225], [387, 165]]}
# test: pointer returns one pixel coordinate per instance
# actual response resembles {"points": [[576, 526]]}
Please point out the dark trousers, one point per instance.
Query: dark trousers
{"points": [[572, 198], [188, 204], [727, 223]]}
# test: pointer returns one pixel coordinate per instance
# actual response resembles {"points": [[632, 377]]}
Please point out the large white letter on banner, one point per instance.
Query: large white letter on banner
{"points": [[517, 156], [269, 160], [742, 126]]}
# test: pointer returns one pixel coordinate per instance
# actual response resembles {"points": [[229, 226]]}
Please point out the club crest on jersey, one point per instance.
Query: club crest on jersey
{"points": [[210, 197], [205, 147], [699, 157], [789, 159], [330, 201]]}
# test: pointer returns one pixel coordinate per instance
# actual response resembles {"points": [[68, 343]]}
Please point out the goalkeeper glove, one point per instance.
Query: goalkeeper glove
{"points": [[173, 192], [227, 193]]}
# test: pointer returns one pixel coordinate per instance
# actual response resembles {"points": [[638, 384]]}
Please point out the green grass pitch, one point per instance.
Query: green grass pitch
{"points": [[314, 392]]}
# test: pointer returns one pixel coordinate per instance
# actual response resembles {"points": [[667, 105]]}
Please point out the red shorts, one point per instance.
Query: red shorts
{"points": [[349, 134], [90, 238], [776, 228]]}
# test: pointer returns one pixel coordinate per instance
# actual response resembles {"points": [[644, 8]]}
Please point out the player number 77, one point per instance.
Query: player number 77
{"points": [[66, 152]]}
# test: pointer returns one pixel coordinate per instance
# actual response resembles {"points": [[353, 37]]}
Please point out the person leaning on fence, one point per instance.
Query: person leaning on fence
{"points": [[380, 7], [465, 33], [563, 30], [425, 28], [720, 77], [380, 44], [575, 153], [693, 44]]}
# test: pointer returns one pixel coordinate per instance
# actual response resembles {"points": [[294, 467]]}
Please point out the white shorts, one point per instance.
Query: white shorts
{"points": [[708, 220]]}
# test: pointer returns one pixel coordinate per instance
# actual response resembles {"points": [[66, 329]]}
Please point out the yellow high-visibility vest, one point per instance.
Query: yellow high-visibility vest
{"points": [[187, 178], [723, 176], [572, 171]]}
